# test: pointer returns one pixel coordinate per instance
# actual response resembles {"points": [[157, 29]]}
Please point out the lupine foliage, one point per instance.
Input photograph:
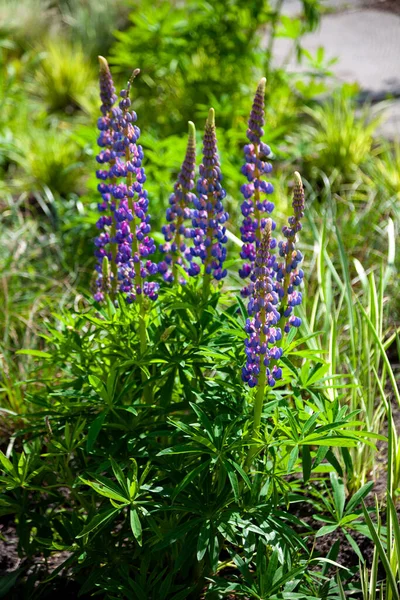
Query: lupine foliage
{"points": [[150, 460]]}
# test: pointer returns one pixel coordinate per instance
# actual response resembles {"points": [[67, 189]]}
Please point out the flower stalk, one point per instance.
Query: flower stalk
{"points": [[179, 211], [209, 216], [263, 334], [255, 207]]}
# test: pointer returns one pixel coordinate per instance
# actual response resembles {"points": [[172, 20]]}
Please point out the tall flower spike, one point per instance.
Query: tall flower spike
{"points": [[126, 227], [261, 326], [255, 207], [209, 217], [288, 274], [105, 248], [178, 212]]}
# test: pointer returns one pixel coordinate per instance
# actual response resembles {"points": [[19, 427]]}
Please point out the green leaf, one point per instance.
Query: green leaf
{"points": [[99, 387], [354, 545], [358, 496], [136, 526], [339, 494], [94, 430], [107, 488], [203, 540], [7, 464], [8, 581], [294, 455], [99, 520], [120, 477], [38, 353], [232, 478], [325, 530], [382, 554], [272, 568], [189, 477]]}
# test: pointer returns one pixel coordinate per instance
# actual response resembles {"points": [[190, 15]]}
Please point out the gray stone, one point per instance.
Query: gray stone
{"points": [[366, 44], [294, 7], [390, 126]]}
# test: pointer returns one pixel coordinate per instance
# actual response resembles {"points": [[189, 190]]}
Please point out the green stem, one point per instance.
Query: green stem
{"points": [[114, 269], [177, 241], [257, 213], [283, 320], [147, 394], [206, 286], [207, 276], [258, 408]]}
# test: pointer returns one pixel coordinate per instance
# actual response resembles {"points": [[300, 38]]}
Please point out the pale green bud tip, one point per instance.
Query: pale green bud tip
{"points": [[211, 118], [105, 268], [298, 196], [261, 86], [192, 130], [298, 182], [103, 64]]}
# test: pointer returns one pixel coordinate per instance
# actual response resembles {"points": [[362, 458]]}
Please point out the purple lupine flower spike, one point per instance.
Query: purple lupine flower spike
{"points": [[179, 211], [261, 327], [126, 226], [256, 206], [288, 274], [133, 223], [209, 216], [105, 249]]}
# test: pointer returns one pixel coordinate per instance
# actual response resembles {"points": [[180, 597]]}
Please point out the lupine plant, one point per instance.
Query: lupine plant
{"points": [[183, 423]]}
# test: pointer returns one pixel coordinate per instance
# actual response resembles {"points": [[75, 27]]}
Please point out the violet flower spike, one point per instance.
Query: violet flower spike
{"points": [[105, 249], [209, 216], [133, 222], [261, 347], [179, 211], [255, 207], [126, 226], [288, 274]]}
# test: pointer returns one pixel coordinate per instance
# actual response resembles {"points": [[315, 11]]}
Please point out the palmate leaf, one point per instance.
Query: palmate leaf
{"points": [[105, 487], [189, 477], [195, 435]]}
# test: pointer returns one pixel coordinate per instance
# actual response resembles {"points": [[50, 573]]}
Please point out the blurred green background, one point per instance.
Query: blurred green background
{"points": [[192, 54]]}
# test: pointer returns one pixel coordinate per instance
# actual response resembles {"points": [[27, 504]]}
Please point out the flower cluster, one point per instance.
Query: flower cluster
{"points": [[256, 207], [124, 224], [124, 246], [209, 216], [178, 213], [262, 326], [287, 272]]}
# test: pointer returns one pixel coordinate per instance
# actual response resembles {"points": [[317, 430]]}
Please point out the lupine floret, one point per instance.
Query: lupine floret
{"points": [[209, 217]]}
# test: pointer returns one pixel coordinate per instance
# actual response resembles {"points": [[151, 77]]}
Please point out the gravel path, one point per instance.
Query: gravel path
{"points": [[366, 43]]}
